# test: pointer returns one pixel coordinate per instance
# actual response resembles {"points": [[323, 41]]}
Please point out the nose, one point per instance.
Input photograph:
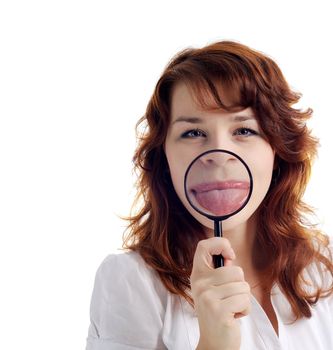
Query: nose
{"points": [[217, 159]]}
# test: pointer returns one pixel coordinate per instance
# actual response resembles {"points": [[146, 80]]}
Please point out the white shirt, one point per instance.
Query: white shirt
{"points": [[131, 309]]}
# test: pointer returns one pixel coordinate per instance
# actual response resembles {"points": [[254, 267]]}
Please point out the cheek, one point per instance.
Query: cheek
{"points": [[178, 161], [267, 164], [177, 176], [262, 175]]}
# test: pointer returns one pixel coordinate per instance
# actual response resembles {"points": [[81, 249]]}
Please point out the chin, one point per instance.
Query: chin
{"points": [[238, 220]]}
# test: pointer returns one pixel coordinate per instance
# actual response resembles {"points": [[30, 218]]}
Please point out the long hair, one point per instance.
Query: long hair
{"points": [[163, 231]]}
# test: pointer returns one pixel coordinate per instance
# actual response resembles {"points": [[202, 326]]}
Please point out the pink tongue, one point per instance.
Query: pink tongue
{"points": [[222, 202]]}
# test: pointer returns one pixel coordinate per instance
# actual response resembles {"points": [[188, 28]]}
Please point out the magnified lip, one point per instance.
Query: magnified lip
{"points": [[220, 185]]}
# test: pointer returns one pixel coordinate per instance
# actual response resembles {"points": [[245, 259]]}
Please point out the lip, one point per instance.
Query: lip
{"points": [[220, 185]]}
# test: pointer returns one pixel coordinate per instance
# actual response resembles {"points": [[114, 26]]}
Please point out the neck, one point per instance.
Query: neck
{"points": [[242, 241]]}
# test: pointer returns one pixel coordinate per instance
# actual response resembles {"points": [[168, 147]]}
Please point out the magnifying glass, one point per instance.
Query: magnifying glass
{"points": [[218, 184]]}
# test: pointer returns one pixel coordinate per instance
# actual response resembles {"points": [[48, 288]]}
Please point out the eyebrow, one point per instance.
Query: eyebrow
{"points": [[197, 120]]}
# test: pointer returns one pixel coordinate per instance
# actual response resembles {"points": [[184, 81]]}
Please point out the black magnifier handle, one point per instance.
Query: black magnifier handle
{"points": [[218, 259]]}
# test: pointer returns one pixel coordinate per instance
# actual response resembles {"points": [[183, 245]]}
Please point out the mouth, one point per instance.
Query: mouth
{"points": [[221, 197]]}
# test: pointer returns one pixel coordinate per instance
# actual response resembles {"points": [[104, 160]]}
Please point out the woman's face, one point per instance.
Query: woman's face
{"points": [[193, 131]]}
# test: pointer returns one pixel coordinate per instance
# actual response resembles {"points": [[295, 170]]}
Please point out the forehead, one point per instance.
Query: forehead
{"points": [[186, 99]]}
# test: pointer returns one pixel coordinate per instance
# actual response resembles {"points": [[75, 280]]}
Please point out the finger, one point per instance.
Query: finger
{"points": [[230, 289], [228, 262], [216, 278], [218, 294], [228, 274], [206, 248], [236, 305]]}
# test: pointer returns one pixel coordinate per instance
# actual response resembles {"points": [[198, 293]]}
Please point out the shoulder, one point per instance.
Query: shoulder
{"points": [[127, 270], [127, 275], [124, 264], [128, 295]]}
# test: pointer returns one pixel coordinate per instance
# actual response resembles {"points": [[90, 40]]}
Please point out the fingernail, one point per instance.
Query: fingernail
{"points": [[233, 255]]}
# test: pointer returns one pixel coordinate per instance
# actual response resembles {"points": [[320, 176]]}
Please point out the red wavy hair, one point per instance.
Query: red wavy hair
{"points": [[164, 232]]}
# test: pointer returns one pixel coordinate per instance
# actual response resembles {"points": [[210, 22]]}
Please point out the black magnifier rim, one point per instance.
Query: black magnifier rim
{"points": [[222, 217]]}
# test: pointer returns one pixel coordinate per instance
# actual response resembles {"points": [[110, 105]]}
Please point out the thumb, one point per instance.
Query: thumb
{"points": [[228, 262]]}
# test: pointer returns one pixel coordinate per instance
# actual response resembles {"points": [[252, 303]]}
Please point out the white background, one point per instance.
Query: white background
{"points": [[75, 76]]}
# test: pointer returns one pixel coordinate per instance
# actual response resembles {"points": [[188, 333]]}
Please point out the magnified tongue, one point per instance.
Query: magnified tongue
{"points": [[224, 201]]}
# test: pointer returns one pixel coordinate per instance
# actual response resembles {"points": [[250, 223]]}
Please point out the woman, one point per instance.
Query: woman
{"points": [[274, 291]]}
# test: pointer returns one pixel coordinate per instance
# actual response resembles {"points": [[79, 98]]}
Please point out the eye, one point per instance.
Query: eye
{"points": [[194, 133], [245, 132]]}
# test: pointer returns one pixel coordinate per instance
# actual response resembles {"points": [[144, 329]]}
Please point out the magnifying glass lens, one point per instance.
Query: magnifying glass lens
{"points": [[217, 184]]}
